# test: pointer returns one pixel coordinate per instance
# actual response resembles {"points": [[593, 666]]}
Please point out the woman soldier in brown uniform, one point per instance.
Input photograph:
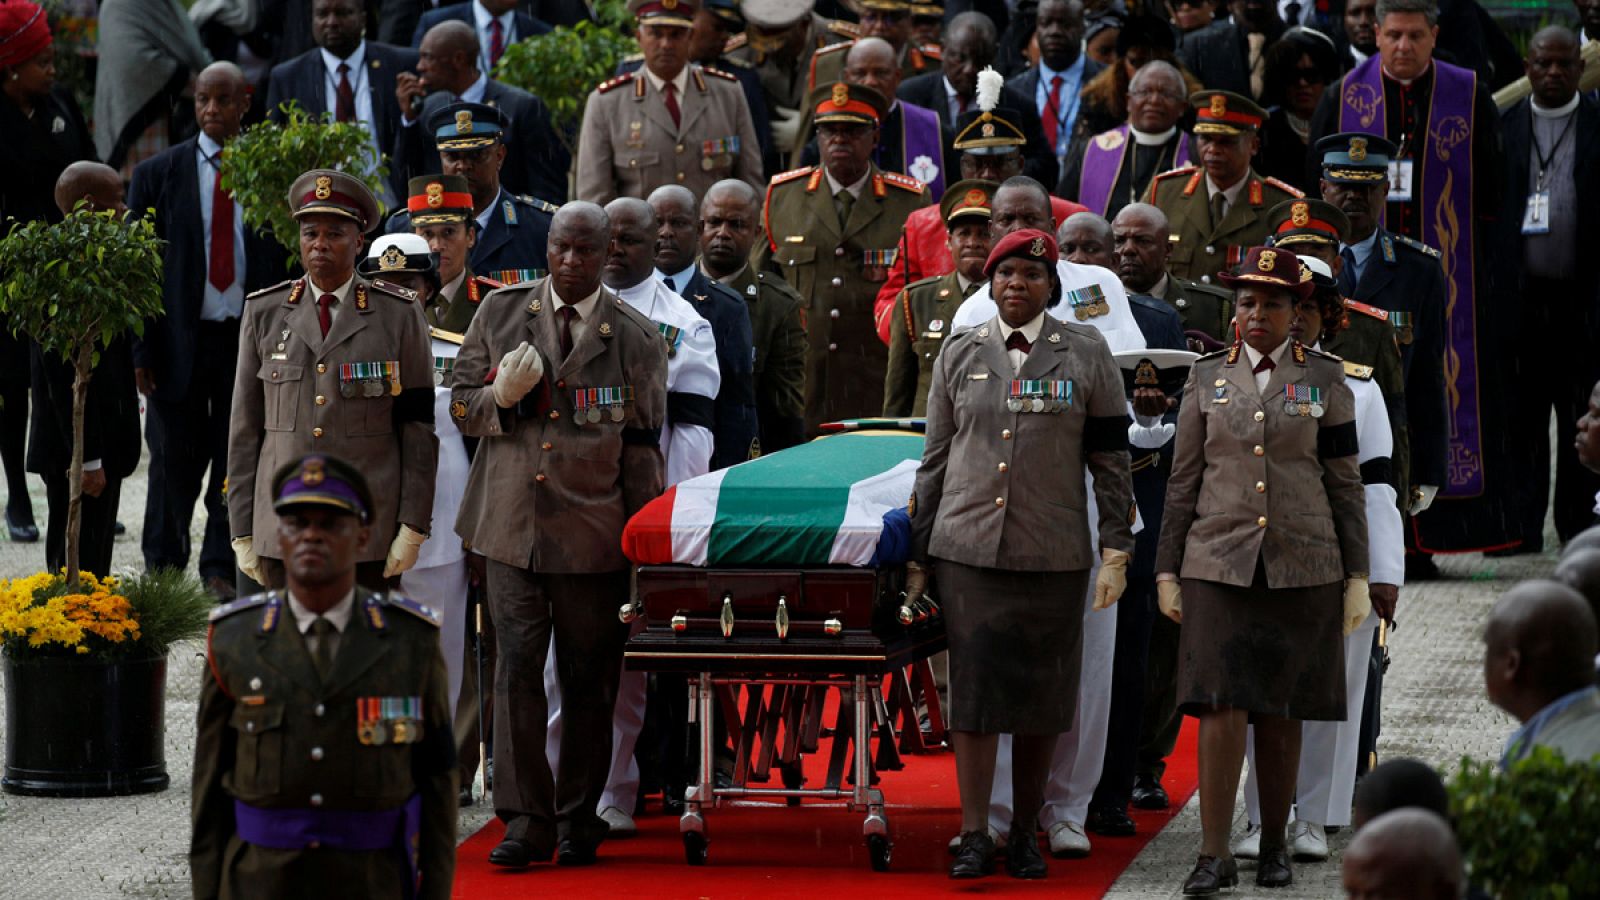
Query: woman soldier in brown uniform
{"points": [[1266, 523], [1019, 410]]}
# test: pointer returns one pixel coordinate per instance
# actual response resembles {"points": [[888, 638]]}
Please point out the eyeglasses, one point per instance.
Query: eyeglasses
{"points": [[1155, 95]]}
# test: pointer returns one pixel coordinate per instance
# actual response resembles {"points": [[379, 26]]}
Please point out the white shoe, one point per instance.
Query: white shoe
{"points": [[1068, 841], [621, 823], [999, 841], [1308, 842], [1249, 846]]}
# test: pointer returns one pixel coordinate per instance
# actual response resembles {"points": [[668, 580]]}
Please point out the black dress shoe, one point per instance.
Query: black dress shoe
{"points": [[1023, 859], [1110, 822], [466, 797], [119, 529], [573, 852], [672, 800], [1421, 567], [975, 859], [1149, 794], [1211, 874], [1272, 869], [21, 529], [511, 853]]}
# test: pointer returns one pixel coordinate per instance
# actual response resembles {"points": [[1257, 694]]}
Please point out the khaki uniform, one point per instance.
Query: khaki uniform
{"points": [[273, 735], [1369, 340], [838, 271], [827, 64], [1204, 249], [918, 325], [1202, 307], [786, 85], [1252, 481], [629, 146], [454, 314], [291, 397], [778, 325]]}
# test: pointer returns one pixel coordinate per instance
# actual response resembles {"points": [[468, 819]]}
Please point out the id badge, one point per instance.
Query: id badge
{"points": [[1400, 172], [1536, 218]]}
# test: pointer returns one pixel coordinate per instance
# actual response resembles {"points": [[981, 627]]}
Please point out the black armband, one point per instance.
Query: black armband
{"points": [[642, 437], [691, 409], [1105, 434], [1334, 441], [1375, 471], [414, 405]]}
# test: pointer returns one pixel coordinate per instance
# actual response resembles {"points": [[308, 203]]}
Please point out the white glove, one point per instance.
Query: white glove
{"points": [[1357, 603], [519, 371], [1113, 577], [249, 563], [1422, 497], [1169, 597], [785, 128], [403, 552]]}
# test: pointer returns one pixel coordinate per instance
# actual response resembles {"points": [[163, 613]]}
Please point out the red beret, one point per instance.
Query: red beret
{"points": [[24, 32], [1029, 243]]}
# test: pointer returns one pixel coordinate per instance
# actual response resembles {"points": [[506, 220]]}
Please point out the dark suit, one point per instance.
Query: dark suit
{"points": [[735, 431], [1219, 55], [927, 91], [193, 364], [536, 161], [110, 434], [1554, 334], [526, 26], [1026, 84], [305, 79]]}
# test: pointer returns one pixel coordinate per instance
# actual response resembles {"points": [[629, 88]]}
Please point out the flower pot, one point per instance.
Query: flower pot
{"points": [[82, 727]]}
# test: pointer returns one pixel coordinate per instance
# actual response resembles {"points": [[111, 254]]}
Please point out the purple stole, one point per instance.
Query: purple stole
{"points": [[1442, 190], [922, 143], [1103, 158]]}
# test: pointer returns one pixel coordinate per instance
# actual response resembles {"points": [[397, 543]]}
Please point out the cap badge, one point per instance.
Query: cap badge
{"points": [[1145, 373], [435, 195], [324, 187], [988, 129], [1268, 260], [1219, 106], [1305, 272], [1037, 248], [841, 94], [464, 122], [311, 474], [976, 197], [669, 4], [1358, 149], [392, 259], [1300, 215]]}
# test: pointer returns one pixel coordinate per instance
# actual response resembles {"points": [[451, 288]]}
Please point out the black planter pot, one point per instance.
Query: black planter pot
{"points": [[78, 727]]}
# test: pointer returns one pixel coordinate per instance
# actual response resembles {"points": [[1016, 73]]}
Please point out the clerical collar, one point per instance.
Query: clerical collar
{"points": [[1407, 82], [1147, 139], [1560, 112]]}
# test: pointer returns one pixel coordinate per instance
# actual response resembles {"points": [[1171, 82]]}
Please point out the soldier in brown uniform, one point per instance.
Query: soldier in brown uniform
{"points": [[831, 231], [323, 760], [561, 379], [440, 208], [671, 122], [1141, 242], [1218, 209], [334, 363], [922, 314], [887, 19]]}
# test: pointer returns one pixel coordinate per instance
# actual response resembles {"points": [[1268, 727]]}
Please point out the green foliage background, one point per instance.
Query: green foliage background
{"points": [[563, 66], [1531, 831]]}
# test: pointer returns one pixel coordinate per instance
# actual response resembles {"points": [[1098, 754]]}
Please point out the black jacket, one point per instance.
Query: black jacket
{"points": [[736, 428], [110, 416], [1219, 55], [305, 79], [526, 25], [1516, 130]]}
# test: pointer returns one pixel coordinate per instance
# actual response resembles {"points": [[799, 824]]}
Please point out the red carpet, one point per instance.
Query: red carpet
{"points": [[771, 851]]}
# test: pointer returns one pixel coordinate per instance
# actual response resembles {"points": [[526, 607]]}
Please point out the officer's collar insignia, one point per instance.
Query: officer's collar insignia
{"points": [[464, 122], [750, 290], [295, 292], [435, 195], [1358, 149], [270, 616], [1145, 373], [605, 329], [312, 473], [361, 297], [983, 332], [1267, 261], [1299, 352], [1054, 338], [391, 260], [1300, 214], [841, 94], [511, 213], [374, 610], [535, 306], [324, 188], [1233, 353]]}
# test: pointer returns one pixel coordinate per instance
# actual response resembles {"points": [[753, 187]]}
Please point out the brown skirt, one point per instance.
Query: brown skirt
{"points": [[1016, 647], [1268, 652]]}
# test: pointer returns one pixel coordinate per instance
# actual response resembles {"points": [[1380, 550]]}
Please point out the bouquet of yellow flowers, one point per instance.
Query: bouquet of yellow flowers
{"points": [[109, 617]]}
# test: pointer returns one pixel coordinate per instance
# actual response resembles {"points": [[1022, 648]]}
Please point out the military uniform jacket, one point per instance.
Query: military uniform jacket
{"points": [[273, 735], [546, 493], [827, 64], [454, 314], [294, 394], [838, 271], [1002, 489], [1253, 481], [511, 247], [1368, 339], [918, 326], [1204, 249], [629, 146], [1202, 307], [785, 85], [778, 327]]}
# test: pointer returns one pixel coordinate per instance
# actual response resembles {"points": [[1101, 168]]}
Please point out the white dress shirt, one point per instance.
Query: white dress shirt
{"points": [[677, 281], [361, 85], [215, 305], [481, 18], [1030, 331], [340, 295], [1265, 375], [585, 308], [691, 369]]}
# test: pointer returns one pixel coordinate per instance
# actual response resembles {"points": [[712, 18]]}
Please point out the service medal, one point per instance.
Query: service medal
{"points": [[708, 163], [1014, 404], [380, 732], [1317, 410], [1038, 404], [617, 414], [438, 379], [347, 390], [372, 388], [402, 731], [1304, 408], [1082, 313]]}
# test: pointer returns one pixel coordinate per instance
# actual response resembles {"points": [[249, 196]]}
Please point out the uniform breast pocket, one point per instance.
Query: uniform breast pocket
{"points": [[795, 255], [641, 160], [365, 416], [259, 757], [280, 385]]}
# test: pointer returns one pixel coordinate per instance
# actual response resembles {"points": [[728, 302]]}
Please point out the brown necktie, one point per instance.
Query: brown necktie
{"points": [[324, 632], [567, 314], [324, 312], [1218, 210]]}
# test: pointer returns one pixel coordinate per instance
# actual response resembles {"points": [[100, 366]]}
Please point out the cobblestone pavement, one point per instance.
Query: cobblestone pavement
{"points": [[136, 846]]}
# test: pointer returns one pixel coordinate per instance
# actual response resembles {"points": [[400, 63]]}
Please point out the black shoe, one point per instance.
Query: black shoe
{"points": [[1110, 822], [1023, 859], [465, 799], [1421, 567], [1272, 868], [119, 529], [1211, 874], [975, 859], [22, 529], [1149, 794], [574, 852], [672, 800], [512, 853]]}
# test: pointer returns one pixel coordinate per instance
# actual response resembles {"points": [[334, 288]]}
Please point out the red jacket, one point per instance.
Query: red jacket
{"points": [[925, 253]]}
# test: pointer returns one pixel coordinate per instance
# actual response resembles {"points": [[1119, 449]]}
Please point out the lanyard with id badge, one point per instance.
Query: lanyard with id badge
{"points": [[1400, 174], [1536, 218]]}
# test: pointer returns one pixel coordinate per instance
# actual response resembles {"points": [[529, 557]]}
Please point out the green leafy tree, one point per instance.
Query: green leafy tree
{"points": [[563, 66], [1530, 831], [260, 165], [75, 286]]}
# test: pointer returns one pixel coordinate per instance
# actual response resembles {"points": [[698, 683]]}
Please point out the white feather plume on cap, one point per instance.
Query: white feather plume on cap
{"points": [[989, 84]]}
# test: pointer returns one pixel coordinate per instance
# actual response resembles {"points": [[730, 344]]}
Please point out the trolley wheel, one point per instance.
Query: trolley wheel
{"points": [[880, 848], [694, 848], [793, 779]]}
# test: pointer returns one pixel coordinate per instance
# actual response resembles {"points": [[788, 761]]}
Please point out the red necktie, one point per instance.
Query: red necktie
{"points": [[670, 92], [324, 317], [1019, 341], [219, 269], [1052, 113], [1266, 365], [345, 107], [497, 41], [567, 314]]}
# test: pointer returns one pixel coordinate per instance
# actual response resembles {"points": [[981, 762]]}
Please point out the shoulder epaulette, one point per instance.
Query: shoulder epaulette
{"points": [[904, 182], [1287, 188], [488, 282], [1417, 245], [718, 73], [837, 48], [536, 203], [614, 83], [848, 29], [421, 610], [1214, 290], [1382, 315], [1323, 354], [735, 42], [267, 290], [1357, 371], [394, 290], [792, 174], [1174, 173], [923, 281], [449, 337], [633, 57], [1215, 354], [733, 61], [932, 51], [239, 605]]}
